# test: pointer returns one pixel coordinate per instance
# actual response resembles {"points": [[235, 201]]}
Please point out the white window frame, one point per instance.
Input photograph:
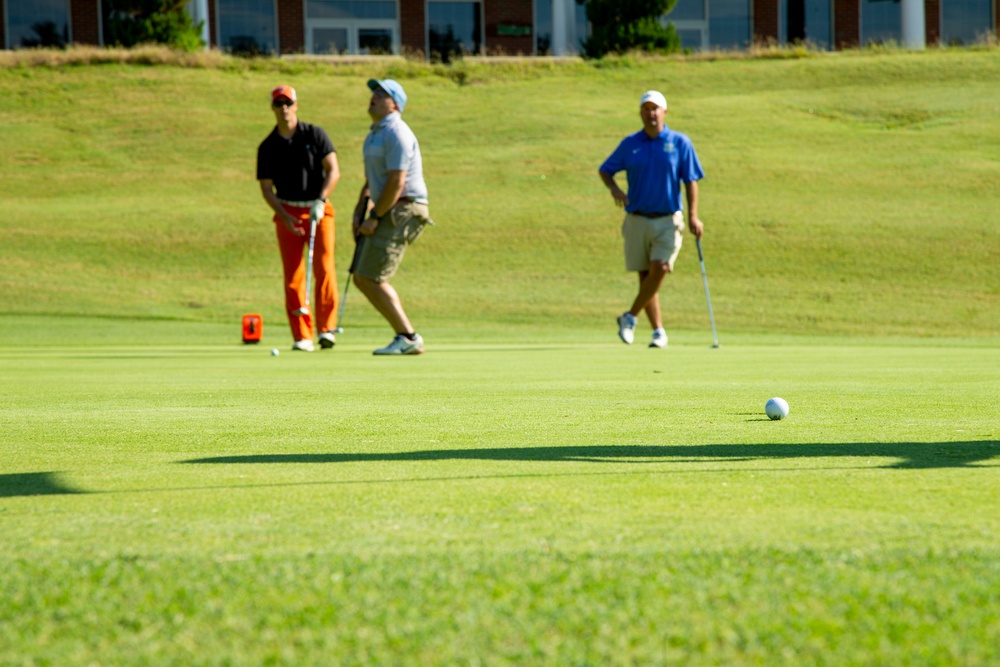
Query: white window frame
{"points": [[701, 26], [353, 26]]}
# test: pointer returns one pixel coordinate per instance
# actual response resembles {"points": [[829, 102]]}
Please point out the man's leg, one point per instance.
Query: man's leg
{"points": [[653, 307], [386, 301], [293, 268], [649, 287]]}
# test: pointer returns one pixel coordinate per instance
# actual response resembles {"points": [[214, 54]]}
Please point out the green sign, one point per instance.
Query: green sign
{"points": [[514, 30]]}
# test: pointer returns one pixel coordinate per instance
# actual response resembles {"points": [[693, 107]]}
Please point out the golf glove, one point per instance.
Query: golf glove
{"points": [[318, 210]]}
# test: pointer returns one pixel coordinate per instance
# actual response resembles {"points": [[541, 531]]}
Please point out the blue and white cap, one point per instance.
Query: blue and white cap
{"points": [[395, 90]]}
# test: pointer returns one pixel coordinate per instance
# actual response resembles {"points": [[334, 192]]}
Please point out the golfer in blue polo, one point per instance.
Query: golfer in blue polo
{"points": [[656, 160]]}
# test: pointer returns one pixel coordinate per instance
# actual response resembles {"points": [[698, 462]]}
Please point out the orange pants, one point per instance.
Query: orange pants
{"points": [[324, 302]]}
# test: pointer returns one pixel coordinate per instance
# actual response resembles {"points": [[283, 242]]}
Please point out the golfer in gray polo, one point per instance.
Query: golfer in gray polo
{"points": [[391, 212]]}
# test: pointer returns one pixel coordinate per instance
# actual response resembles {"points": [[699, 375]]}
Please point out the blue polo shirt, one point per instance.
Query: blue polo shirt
{"points": [[655, 168]]}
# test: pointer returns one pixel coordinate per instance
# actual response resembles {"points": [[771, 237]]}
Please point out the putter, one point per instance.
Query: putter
{"points": [[304, 310], [359, 241], [704, 278]]}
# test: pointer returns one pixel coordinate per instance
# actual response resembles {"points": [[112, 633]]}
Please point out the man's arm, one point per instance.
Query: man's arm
{"points": [[621, 199], [691, 193], [393, 190], [267, 190], [360, 209], [332, 170]]}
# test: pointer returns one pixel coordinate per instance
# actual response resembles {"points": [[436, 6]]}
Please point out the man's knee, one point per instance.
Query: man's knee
{"points": [[660, 266]]}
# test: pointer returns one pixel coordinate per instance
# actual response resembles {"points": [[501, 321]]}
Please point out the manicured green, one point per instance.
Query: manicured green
{"points": [[530, 491]]}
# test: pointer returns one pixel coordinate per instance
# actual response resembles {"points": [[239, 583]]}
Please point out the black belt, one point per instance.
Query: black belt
{"points": [[654, 215]]}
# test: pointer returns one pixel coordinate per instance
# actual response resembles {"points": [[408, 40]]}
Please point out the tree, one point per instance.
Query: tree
{"points": [[618, 26], [131, 22]]}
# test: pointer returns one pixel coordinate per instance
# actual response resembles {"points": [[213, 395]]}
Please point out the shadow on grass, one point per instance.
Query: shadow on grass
{"points": [[33, 484], [905, 455]]}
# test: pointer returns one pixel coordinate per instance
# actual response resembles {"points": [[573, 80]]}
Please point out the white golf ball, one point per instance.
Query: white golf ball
{"points": [[274, 352], [776, 408]]}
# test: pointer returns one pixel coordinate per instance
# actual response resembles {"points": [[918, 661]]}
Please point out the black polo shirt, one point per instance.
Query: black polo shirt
{"points": [[295, 165]]}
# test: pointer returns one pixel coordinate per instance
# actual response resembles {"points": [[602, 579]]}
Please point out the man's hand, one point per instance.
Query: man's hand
{"points": [[318, 210], [291, 224], [367, 228], [694, 224], [621, 199]]}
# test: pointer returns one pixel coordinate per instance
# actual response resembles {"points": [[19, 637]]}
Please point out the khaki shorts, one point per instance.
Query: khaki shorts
{"points": [[649, 239], [383, 251]]}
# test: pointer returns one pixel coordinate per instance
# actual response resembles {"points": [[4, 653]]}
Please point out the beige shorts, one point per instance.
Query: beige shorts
{"points": [[649, 239], [383, 251]]}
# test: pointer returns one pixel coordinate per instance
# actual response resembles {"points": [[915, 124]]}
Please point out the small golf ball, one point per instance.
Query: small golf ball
{"points": [[274, 352], [776, 408]]}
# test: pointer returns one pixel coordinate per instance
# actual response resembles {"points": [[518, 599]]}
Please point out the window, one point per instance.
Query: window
{"points": [[965, 21], [881, 21], [729, 24], [366, 27], [454, 28], [543, 27], [247, 26], [36, 23], [806, 20]]}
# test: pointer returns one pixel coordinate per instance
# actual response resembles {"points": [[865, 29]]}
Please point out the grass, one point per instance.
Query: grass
{"points": [[530, 491]]}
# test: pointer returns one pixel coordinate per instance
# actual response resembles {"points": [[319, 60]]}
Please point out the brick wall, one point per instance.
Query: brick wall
{"points": [[84, 17], [932, 21], [846, 23], [413, 26], [765, 21], [291, 27], [510, 14]]}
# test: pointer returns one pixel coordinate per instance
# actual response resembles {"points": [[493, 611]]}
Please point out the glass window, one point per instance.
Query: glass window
{"points": [[247, 26], [35, 23], [687, 10], [454, 28], [881, 21], [582, 24], [964, 21], [690, 39], [351, 9], [374, 41], [728, 24], [330, 40], [543, 27]]}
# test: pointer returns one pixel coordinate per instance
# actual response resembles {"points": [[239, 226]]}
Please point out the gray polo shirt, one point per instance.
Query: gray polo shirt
{"points": [[392, 146]]}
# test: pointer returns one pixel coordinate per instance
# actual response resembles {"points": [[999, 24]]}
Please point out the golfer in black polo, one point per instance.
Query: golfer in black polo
{"points": [[297, 170]]}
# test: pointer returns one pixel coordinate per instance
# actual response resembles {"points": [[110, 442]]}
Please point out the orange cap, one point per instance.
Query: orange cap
{"points": [[283, 91]]}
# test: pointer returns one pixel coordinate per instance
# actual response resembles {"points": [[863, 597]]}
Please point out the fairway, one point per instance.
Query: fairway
{"points": [[530, 491]]}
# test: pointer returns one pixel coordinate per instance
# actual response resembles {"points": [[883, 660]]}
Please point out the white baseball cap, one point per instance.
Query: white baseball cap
{"points": [[654, 96]]}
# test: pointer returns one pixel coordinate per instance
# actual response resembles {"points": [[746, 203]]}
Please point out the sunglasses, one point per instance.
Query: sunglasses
{"points": [[282, 103], [381, 93]]}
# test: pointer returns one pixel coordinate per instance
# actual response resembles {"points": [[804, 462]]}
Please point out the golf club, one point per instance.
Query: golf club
{"points": [[359, 241], [304, 310], [704, 278]]}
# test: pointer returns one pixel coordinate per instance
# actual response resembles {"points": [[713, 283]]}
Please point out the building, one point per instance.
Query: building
{"points": [[530, 27]]}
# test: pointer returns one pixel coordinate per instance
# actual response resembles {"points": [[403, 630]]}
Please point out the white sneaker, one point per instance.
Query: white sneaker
{"points": [[327, 340], [659, 339], [626, 328], [304, 345], [402, 345]]}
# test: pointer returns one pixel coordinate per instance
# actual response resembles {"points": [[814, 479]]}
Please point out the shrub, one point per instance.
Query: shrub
{"points": [[132, 22], [619, 26]]}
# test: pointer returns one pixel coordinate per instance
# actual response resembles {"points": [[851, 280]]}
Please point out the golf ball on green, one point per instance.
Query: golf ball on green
{"points": [[274, 352], [776, 408]]}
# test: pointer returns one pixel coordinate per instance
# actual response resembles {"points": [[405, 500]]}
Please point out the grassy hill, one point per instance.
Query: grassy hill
{"points": [[846, 193]]}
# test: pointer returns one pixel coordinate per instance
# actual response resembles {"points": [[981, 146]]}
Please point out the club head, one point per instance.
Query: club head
{"points": [[338, 330], [716, 346], [304, 310]]}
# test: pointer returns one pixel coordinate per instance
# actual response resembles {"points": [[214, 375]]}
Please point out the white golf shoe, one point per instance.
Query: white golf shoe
{"points": [[327, 340], [304, 345], [402, 345], [659, 339], [626, 328]]}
